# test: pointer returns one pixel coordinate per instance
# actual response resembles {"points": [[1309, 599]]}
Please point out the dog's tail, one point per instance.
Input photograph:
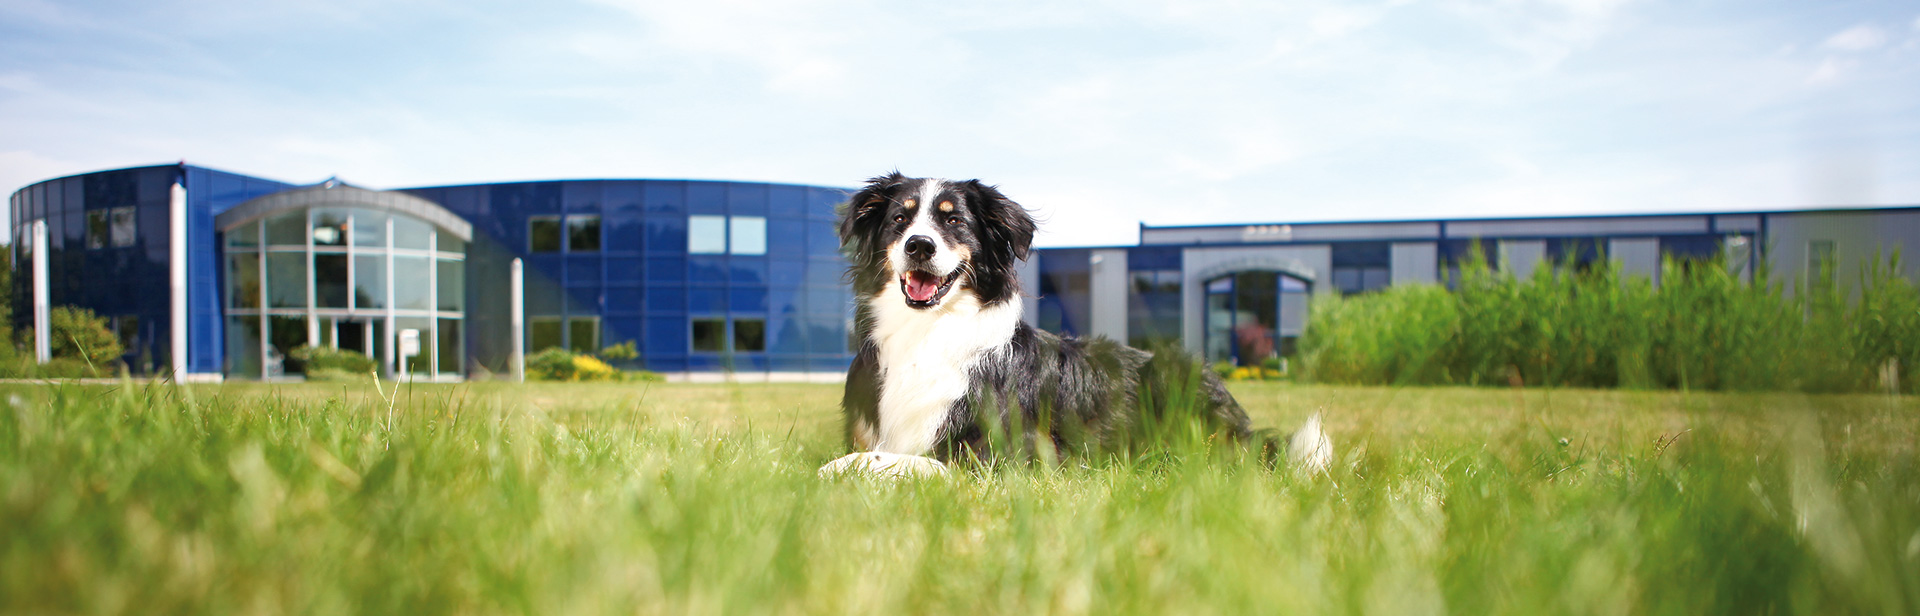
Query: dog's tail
{"points": [[1307, 450]]}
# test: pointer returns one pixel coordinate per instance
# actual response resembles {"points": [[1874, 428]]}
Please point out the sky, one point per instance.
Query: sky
{"points": [[1097, 115]]}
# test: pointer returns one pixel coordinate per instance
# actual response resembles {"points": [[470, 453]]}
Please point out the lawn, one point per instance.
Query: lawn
{"points": [[681, 498]]}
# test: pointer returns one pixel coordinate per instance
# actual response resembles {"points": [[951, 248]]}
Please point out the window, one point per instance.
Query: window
{"points": [[451, 279], [707, 235], [1361, 267], [1153, 308], [451, 345], [1581, 254], [125, 230], [128, 328], [96, 229], [244, 236], [284, 334], [243, 345], [583, 233], [410, 287], [583, 334], [369, 229], [1357, 280], [543, 333], [749, 335], [709, 335], [748, 235], [369, 281], [287, 279], [243, 276], [412, 233], [330, 280], [288, 229], [329, 228], [543, 234]]}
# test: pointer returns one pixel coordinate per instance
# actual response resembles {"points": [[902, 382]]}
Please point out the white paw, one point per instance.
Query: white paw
{"points": [[882, 464]]}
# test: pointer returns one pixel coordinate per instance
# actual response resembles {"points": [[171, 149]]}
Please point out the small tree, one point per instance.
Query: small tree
{"points": [[625, 351], [78, 334]]}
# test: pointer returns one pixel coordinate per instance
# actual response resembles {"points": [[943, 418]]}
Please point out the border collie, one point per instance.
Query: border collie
{"points": [[948, 372]]}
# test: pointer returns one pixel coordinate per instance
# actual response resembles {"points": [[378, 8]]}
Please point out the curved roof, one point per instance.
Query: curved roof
{"points": [[338, 194]]}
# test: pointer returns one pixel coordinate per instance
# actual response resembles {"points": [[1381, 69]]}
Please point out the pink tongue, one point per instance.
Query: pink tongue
{"points": [[921, 286]]}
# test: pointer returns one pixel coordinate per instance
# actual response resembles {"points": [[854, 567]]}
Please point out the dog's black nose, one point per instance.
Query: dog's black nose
{"points": [[920, 247]]}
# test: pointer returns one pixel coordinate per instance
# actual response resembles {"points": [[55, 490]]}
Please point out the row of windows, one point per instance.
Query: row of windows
{"points": [[262, 345], [709, 334], [113, 226], [713, 235], [339, 229], [340, 281]]}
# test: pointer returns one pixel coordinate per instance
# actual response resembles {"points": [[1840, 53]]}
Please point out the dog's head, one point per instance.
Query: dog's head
{"points": [[934, 237]]}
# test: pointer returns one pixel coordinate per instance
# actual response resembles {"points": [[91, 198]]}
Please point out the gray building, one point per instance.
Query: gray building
{"points": [[1240, 292]]}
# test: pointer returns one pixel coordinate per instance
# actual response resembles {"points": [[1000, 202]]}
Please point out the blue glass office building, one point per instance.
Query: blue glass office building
{"points": [[701, 276]]}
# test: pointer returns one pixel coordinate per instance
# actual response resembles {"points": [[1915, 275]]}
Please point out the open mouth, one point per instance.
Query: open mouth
{"points": [[924, 290]]}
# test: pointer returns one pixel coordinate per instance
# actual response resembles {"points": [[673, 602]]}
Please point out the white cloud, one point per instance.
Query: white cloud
{"points": [[1858, 38]]}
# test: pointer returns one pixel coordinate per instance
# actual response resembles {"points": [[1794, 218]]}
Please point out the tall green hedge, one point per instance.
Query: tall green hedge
{"points": [[1704, 327]]}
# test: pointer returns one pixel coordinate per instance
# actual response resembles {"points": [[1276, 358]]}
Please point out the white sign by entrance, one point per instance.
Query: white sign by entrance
{"points": [[409, 342]]}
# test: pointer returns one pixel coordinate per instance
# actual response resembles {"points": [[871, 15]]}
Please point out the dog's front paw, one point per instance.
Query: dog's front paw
{"points": [[882, 464]]}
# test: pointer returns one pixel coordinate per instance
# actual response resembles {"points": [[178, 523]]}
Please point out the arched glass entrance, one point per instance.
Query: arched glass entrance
{"points": [[345, 268], [1254, 315]]}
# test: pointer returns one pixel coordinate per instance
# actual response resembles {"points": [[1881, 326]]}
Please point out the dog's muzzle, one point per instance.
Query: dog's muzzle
{"points": [[924, 289]]}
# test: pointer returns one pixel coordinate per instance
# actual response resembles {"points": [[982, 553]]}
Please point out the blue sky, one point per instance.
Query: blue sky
{"points": [[1098, 115]]}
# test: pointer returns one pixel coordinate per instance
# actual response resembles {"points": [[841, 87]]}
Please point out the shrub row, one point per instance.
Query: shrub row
{"points": [[558, 364], [1704, 327]]}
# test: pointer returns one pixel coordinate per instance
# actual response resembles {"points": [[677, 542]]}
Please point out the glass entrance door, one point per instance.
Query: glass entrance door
{"points": [[1248, 314]]}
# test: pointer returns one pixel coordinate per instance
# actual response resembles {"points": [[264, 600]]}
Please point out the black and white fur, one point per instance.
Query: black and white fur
{"points": [[945, 359]]}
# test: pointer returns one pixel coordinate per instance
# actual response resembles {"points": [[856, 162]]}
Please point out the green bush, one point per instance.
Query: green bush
{"points": [[625, 351], [79, 335], [552, 364], [558, 364], [1703, 328], [331, 364]]}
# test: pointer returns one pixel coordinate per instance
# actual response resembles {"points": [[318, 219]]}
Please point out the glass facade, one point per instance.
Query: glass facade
{"points": [[108, 245], [327, 273], [700, 276], [606, 262]]}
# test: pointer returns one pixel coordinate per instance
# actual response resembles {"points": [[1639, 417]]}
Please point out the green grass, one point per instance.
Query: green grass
{"points": [[676, 498]]}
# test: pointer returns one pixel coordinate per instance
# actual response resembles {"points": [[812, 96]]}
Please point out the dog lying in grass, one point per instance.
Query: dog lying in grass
{"points": [[948, 372]]}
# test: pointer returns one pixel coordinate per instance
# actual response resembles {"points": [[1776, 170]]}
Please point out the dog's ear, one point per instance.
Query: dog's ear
{"points": [[861, 210], [1006, 237], [1005, 227], [860, 217]]}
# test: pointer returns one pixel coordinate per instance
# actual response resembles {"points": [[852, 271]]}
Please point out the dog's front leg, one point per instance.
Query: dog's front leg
{"points": [[883, 464]]}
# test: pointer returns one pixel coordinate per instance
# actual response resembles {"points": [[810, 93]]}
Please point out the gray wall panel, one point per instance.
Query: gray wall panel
{"points": [[1577, 227], [1637, 257], [1857, 237], [1030, 289], [1739, 222], [1107, 285], [1415, 263], [1520, 257]]}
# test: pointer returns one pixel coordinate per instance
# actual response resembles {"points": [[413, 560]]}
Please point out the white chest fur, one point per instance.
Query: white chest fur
{"points": [[925, 360]]}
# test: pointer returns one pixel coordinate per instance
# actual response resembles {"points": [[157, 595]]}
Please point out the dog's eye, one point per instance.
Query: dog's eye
{"points": [[953, 220], [899, 217]]}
